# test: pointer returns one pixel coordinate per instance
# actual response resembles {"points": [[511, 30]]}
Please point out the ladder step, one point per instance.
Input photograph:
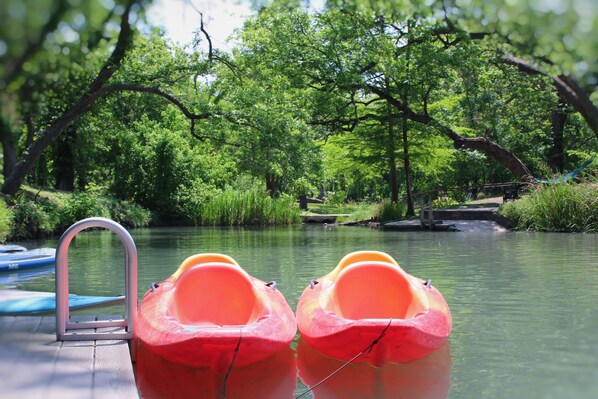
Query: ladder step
{"points": [[96, 324], [95, 336]]}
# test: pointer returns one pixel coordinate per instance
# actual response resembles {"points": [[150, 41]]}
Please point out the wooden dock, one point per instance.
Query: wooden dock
{"points": [[34, 365]]}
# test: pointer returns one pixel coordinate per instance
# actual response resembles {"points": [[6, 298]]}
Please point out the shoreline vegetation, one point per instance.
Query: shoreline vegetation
{"points": [[562, 207], [35, 213], [368, 106]]}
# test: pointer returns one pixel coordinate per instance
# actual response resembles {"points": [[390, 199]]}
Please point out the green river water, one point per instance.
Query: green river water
{"points": [[524, 305]]}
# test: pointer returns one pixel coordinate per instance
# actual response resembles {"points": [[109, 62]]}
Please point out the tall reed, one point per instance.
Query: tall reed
{"points": [[389, 211], [567, 207], [246, 208]]}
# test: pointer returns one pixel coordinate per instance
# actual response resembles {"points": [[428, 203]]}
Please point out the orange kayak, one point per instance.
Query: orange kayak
{"points": [[369, 304], [212, 313]]}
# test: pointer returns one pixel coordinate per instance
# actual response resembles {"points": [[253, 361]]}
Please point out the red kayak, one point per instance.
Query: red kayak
{"points": [[212, 313], [371, 308]]}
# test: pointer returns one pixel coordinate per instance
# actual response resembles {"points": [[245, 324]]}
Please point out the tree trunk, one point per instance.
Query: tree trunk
{"points": [[407, 166], [9, 155], [64, 173], [271, 184], [556, 154], [392, 161], [28, 117], [406, 160]]}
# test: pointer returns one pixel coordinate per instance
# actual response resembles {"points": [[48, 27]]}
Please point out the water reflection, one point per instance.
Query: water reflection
{"points": [[271, 378], [426, 378], [15, 278], [523, 304]]}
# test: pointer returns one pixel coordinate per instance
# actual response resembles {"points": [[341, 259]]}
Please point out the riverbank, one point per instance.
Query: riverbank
{"points": [[35, 213]]}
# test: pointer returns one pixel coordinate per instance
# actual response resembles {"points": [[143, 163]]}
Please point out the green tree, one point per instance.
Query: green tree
{"points": [[268, 125]]}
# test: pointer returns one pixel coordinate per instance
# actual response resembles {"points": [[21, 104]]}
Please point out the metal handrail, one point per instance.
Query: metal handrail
{"points": [[62, 286]]}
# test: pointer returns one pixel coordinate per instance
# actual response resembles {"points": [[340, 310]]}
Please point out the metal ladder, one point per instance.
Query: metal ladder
{"points": [[64, 328]]}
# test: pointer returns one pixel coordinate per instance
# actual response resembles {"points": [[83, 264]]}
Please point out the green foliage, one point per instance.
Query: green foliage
{"points": [[32, 219], [246, 208], [51, 213], [306, 101], [567, 207], [82, 205], [156, 165], [5, 221], [443, 202], [129, 214], [389, 211], [337, 197]]}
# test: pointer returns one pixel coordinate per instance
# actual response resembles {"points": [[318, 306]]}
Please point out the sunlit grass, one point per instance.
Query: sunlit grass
{"points": [[249, 208], [566, 207]]}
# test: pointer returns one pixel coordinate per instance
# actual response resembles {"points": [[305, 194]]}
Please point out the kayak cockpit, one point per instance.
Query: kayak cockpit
{"points": [[215, 294], [374, 290]]}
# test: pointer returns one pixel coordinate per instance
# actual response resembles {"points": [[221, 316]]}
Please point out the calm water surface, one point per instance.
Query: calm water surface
{"points": [[524, 305]]}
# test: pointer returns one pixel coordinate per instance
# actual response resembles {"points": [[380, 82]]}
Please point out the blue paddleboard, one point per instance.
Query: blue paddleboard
{"points": [[21, 303]]}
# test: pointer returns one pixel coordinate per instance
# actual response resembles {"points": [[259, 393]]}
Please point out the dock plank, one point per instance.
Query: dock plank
{"points": [[73, 372], [113, 370], [31, 374], [32, 352], [34, 365]]}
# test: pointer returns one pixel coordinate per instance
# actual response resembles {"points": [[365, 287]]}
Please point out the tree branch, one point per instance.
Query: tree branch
{"points": [[482, 144], [113, 63], [118, 87], [567, 87], [15, 177]]}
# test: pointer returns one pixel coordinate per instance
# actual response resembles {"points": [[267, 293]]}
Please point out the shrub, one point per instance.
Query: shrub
{"points": [[389, 211], [31, 219], [5, 221], [336, 198], [81, 205], [36, 216], [565, 207], [129, 214]]}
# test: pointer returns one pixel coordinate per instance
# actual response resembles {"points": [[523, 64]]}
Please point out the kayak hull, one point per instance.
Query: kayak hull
{"points": [[377, 331], [228, 318]]}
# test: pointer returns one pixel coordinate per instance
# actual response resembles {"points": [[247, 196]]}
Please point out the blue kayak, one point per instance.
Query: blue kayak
{"points": [[21, 303], [27, 259]]}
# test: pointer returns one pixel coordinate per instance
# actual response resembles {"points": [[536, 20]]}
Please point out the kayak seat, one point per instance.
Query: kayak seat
{"points": [[362, 256], [198, 259], [214, 293], [375, 290]]}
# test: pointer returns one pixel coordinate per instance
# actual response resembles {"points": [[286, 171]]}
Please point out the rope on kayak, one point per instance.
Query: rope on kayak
{"points": [[312, 283], [428, 283], [348, 362], [230, 367], [153, 287], [271, 284]]}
